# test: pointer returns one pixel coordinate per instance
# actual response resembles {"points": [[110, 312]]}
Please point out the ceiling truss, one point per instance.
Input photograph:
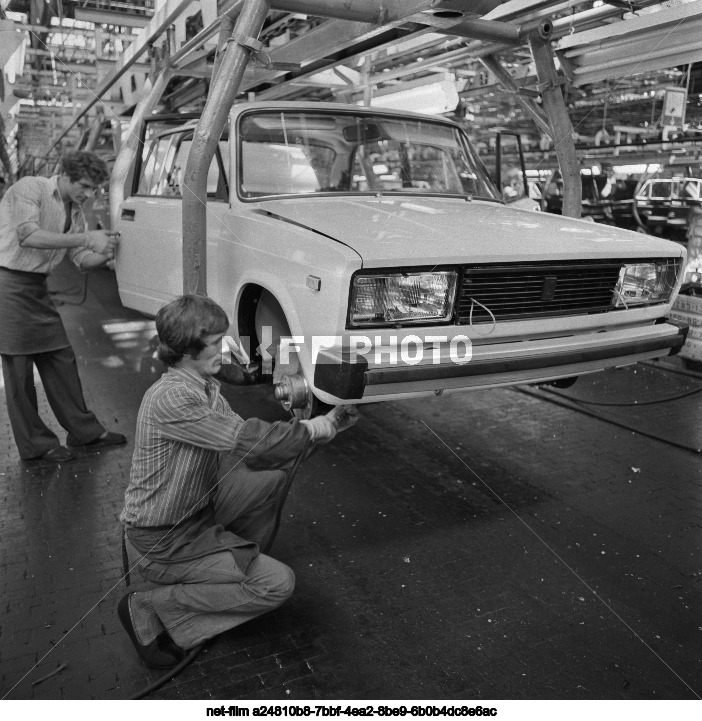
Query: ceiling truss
{"points": [[368, 48]]}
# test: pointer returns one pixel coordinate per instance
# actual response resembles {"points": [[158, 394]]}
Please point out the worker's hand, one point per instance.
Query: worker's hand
{"points": [[324, 428], [104, 242], [343, 416]]}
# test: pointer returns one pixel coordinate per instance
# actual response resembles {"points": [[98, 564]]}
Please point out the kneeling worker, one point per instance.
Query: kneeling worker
{"points": [[198, 537]]}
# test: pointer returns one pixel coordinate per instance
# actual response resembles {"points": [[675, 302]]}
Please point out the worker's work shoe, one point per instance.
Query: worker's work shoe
{"points": [[55, 455], [162, 652], [108, 438]]}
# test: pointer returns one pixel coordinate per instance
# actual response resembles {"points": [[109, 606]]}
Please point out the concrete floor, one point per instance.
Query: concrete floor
{"points": [[487, 545]]}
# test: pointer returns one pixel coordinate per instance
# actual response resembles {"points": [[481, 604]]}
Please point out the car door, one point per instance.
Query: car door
{"points": [[149, 264]]}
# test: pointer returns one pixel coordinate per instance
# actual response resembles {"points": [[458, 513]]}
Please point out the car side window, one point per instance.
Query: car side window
{"points": [[661, 189], [153, 166], [163, 170]]}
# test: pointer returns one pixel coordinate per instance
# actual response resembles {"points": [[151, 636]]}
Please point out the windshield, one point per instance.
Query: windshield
{"points": [[312, 152]]}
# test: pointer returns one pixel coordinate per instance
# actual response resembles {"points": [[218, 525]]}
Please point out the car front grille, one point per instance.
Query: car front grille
{"points": [[517, 291]]}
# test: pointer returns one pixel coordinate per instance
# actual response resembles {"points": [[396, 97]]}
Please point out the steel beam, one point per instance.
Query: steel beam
{"points": [[324, 41], [508, 84], [130, 145], [231, 12], [5, 155], [562, 128], [377, 12], [374, 12], [655, 41], [95, 129], [449, 57], [478, 29], [226, 28], [111, 18], [386, 12], [386, 39], [206, 138], [319, 43]]}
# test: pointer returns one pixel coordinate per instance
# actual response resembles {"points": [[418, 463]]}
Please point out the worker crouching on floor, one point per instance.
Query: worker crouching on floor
{"points": [[197, 531]]}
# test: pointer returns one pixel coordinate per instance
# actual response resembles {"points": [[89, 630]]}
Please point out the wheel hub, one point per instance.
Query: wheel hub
{"points": [[292, 391]]}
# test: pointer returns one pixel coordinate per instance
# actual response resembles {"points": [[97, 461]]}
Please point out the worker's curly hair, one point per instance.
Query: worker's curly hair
{"points": [[81, 164], [183, 323]]}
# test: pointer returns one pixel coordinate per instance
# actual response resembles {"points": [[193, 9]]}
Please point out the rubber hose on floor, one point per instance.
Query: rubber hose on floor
{"points": [[574, 407], [172, 673]]}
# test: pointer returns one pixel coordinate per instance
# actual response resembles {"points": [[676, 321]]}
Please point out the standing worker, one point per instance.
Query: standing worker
{"points": [[41, 220], [196, 531]]}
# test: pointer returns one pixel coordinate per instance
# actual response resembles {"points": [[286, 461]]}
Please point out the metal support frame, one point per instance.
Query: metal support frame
{"points": [[229, 14], [95, 129], [561, 127], [655, 41], [374, 12], [227, 81], [507, 82], [206, 138], [158, 24], [377, 12], [5, 155], [226, 28], [131, 143]]}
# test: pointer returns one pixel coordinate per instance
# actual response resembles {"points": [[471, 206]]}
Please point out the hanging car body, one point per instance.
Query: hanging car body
{"points": [[365, 254]]}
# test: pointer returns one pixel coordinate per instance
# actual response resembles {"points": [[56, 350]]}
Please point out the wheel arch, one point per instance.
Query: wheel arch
{"points": [[259, 304]]}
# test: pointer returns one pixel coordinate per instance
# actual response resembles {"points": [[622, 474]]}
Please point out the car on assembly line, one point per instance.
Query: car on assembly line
{"points": [[664, 205], [367, 255]]}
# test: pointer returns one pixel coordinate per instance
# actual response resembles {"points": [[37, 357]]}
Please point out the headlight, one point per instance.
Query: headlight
{"points": [[396, 298], [646, 283]]}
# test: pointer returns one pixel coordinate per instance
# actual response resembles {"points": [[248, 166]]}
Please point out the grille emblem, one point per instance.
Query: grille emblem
{"points": [[548, 291]]}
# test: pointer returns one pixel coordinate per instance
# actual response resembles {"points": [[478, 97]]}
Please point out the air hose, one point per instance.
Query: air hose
{"points": [[172, 673], [573, 405], [628, 403]]}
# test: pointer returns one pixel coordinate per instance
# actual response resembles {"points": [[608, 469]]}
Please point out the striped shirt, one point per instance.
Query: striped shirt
{"points": [[183, 425], [35, 204]]}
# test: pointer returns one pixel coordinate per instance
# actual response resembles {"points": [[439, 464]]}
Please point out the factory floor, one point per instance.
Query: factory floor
{"points": [[501, 544]]}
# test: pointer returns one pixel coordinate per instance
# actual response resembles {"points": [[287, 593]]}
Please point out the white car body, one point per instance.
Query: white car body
{"points": [[305, 249]]}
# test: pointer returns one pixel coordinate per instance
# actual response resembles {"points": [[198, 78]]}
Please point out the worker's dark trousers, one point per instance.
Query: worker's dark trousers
{"points": [[58, 371], [207, 593]]}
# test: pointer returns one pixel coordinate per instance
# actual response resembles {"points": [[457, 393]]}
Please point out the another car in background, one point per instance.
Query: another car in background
{"points": [[621, 203], [663, 205]]}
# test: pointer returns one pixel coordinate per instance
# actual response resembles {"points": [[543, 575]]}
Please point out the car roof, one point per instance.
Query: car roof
{"points": [[240, 108]]}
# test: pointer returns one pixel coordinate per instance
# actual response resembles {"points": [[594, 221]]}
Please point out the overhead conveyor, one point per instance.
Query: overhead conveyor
{"points": [[349, 32], [638, 43]]}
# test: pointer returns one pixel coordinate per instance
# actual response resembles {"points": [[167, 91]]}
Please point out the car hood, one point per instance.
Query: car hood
{"points": [[408, 230]]}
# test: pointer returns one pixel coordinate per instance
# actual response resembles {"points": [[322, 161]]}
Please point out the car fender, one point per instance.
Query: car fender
{"points": [[306, 272]]}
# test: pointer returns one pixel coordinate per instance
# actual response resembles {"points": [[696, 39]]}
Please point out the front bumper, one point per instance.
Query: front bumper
{"points": [[346, 377]]}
